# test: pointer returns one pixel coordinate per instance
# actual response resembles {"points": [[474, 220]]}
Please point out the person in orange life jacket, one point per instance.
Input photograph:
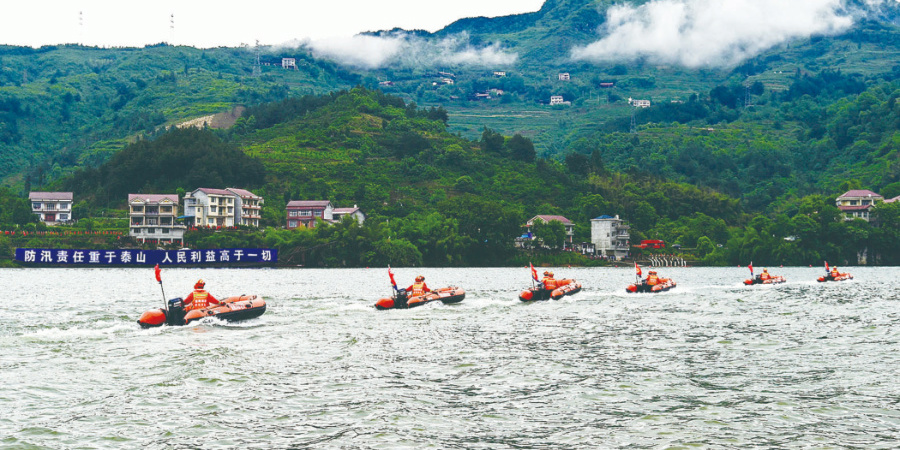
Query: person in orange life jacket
{"points": [[834, 272], [418, 288], [765, 275], [199, 299], [652, 278], [548, 281]]}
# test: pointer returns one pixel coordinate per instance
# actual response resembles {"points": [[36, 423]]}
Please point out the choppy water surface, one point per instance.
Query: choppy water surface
{"points": [[711, 364]]}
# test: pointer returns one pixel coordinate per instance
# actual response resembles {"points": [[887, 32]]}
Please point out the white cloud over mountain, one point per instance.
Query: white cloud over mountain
{"points": [[702, 33], [371, 52]]}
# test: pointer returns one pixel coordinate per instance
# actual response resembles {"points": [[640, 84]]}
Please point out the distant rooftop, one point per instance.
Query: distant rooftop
{"points": [[859, 193], [153, 198], [308, 203], [50, 196], [548, 218]]}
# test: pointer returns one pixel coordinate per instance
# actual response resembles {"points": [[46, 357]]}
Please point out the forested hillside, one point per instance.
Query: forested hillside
{"points": [[69, 106], [736, 157]]}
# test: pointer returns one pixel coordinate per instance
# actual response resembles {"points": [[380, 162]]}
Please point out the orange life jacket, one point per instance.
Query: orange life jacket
{"points": [[764, 276], [198, 299], [652, 280], [418, 289], [835, 273], [549, 283]]}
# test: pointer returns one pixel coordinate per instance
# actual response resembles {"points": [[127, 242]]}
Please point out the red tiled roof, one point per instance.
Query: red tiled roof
{"points": [[548, 218], [854, 207], [243, 193], [153, 198], [50, 196], [345, 210], [859, 193], [895, 199], [308, 203], [215, 191]]}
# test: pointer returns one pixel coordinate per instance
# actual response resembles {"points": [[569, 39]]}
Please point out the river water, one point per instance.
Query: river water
{"points": [[710, 364]]}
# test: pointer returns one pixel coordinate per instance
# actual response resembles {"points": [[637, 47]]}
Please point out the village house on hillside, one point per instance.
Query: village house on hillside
{"points": [[858, 203], [570, 226], [558, 100], [610, 236], [303, 213], [639, 103], [339, 213], [52, 208], [222, 207], [152, 216]]}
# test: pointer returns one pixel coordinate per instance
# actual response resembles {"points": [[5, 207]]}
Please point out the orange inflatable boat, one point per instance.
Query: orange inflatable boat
{"points": [[231, 309], [840, 277], [775, 279], [664, 285], [400, 300], [564, 288]]}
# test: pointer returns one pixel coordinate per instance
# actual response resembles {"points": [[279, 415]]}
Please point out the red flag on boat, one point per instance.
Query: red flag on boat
{"points": [[751, 268], [637, 268], [533, 272], [826, 266], [156, 270], [391, 274]]}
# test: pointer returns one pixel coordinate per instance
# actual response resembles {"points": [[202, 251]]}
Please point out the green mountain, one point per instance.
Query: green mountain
{"points": [[67, 106], [800, 117]]}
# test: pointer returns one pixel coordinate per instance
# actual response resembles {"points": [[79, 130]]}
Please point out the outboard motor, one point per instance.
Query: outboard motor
{"points": [[402, 298], [175, 315]]}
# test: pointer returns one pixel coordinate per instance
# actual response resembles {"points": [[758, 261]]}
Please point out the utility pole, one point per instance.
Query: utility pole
{"points": [[257, 69]]}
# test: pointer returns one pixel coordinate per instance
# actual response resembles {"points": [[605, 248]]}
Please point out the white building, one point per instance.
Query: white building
{"points": [[51, 208], [152, 216], [248, 207], [564, 76], [223, 207], [288, 63], [558, 100], [639, 103], [610, 236], [338, 214]]}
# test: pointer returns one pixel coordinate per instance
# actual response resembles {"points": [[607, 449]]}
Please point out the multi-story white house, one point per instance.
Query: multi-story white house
{"points": [[223, 207], [610, 236], [564, 76], [210, 207], [152, 216], [857, 204], [52, 207], [248, 207]]}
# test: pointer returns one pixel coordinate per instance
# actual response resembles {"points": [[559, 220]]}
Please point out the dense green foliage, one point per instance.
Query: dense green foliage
{"points": [[66, 106], [177, 159], [725, 162]]}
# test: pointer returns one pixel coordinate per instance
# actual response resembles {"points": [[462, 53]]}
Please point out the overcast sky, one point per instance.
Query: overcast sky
{"points": [[205, 23]]}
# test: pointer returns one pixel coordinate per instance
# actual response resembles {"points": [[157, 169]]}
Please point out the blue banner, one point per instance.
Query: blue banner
{"points": [[145, 257]]}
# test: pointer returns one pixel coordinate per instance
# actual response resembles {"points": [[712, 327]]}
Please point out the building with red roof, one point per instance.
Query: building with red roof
{"points": [[227, 207], [858, 204], [153, 216], [52, 207], [570, 227]]}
